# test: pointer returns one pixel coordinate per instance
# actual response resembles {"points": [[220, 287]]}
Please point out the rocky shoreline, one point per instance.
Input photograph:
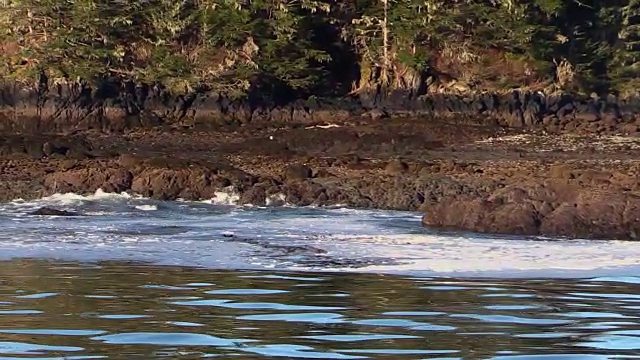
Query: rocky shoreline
{"points": [[522, 163], [112, 108]]}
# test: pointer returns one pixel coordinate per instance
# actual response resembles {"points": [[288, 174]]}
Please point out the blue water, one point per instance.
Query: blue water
{"points": [[136, 278], [118, 310]]}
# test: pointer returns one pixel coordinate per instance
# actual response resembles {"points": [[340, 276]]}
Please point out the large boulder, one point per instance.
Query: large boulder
{"points": [[603, 215], [89, 179], [483, 216], [170, 184], [533, 209]]}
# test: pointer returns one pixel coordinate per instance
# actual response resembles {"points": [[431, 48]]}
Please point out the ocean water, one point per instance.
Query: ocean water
{"points": [[138, 278]]}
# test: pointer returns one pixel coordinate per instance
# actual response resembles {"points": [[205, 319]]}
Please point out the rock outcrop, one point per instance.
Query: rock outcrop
{"points": [[111, 107], [534, 209]]}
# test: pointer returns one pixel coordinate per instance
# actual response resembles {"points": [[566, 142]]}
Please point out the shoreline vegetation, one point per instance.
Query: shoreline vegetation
{"points": [[506, 116], [277, 51]]}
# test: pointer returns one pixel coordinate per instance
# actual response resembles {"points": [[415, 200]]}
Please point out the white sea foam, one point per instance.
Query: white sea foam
{"points": [[73, 198], [228, 196], [276, 200], [97, 196], [486, 256], [146, 207]]}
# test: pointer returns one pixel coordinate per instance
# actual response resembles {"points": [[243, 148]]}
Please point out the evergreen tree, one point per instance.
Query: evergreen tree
{"points": [[625, 65], [302, 47]]}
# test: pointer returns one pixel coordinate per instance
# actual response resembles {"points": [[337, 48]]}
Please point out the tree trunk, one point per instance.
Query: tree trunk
{"points": [[386, 61]]}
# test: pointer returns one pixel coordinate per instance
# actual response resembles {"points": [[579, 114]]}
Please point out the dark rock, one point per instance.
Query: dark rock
{"points": [[298, 172], [565, 110], [322, 199], [115, 107], [47, 211], [254, 196], [302, 193]]}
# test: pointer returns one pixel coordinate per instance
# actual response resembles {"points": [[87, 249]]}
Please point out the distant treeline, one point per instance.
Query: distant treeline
{"points": [[327, 47]]}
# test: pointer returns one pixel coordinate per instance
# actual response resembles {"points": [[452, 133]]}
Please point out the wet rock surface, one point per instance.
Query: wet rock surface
{"points": [[553, 169], [47, 211]]}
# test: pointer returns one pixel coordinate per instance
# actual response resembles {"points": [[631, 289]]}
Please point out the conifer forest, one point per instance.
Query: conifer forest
{"points": [[327, 47]]}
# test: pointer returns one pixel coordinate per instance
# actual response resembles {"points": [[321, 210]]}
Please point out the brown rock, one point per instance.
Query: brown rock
{"points": [[483, 216], [544, 208], [531, 117], [220, 182], [587, 117], [561, 172], [528, 209], [298, 172], [570, 126], [630, 129], [89, 180], [348, 160], [77, 153], [515, 218], [322, 199], [395, 167], [171, 184], [625, 181], [128, 161], [192, 183], [324, 173], [302, 193], [509, 194], [426, 171], [594, 215], [516, 119], [594, 176], [549, 120], [254, 196]]}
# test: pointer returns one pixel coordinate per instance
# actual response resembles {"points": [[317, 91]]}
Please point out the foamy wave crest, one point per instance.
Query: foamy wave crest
{"points": [[228, 196], [437, 254], [146, 207], [73, 198], [276, 200]]}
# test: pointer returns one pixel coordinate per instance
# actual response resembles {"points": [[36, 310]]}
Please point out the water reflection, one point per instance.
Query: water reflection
{"points": [[124, 310]]}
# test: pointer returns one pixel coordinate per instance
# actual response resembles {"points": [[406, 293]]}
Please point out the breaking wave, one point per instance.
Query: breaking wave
{"points": [[220, 234]]}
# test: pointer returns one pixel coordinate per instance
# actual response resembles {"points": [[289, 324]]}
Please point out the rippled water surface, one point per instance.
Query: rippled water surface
{"points": [[137, 278], [123, 310]]}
